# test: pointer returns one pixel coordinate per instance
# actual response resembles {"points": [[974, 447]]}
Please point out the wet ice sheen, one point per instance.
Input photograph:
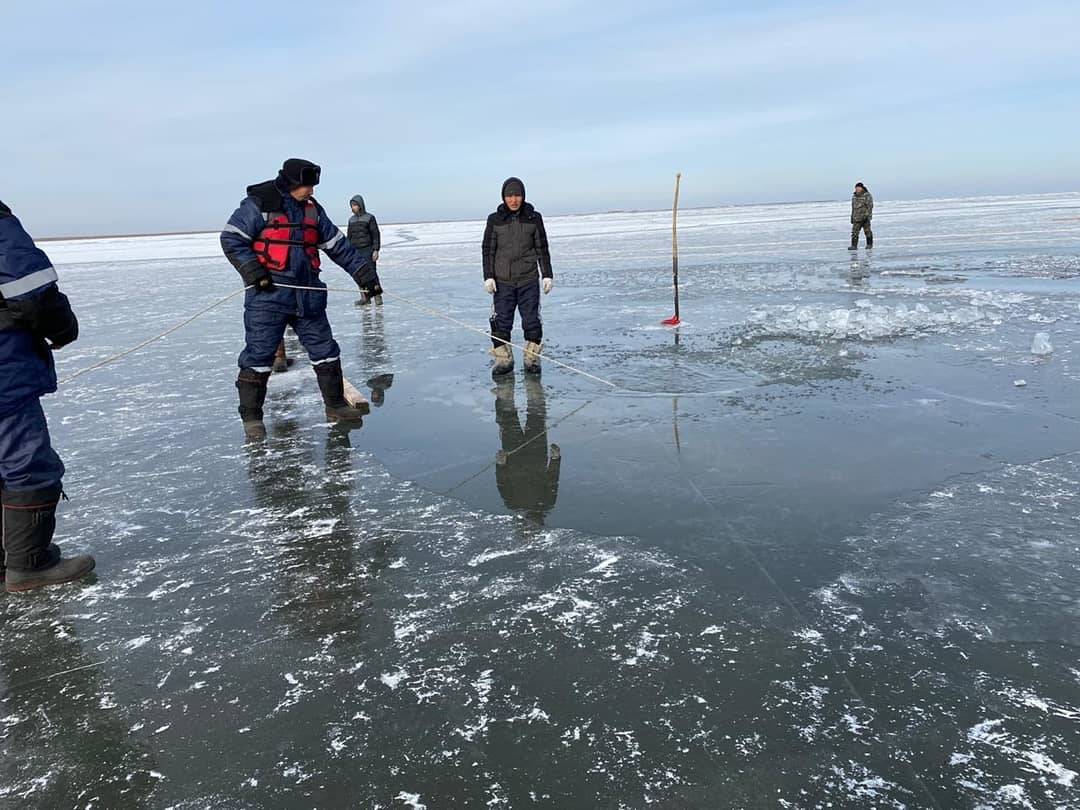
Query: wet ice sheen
{"points": [[839, 569]]}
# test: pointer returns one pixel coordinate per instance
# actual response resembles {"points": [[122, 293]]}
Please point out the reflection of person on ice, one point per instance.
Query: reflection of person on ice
{"points": [[364, 235], [516, 255], [526, 475], [273, 238], [35, 321]]}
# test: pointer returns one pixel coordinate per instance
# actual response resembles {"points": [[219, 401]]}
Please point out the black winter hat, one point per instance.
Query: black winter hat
{"points": [[300, 172], [513, 186]]}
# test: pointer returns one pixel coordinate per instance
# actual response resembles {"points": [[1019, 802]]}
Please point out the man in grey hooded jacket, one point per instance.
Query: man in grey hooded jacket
{"points": [[363, 233]]}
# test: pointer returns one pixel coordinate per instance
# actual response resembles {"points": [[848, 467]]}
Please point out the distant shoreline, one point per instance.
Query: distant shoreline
{"points": [[148, 235], [196, 232]]}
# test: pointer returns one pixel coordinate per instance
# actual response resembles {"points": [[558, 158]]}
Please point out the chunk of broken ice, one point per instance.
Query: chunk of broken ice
{"points": [[1041, 345]]}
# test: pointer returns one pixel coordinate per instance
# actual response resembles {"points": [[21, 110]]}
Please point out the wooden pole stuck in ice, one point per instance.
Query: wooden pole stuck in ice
{"points": [[674, 321]]}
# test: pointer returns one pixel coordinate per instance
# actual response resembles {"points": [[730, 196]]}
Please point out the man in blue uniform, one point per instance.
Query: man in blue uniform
{"points": [[274, 238], [35, 321]]}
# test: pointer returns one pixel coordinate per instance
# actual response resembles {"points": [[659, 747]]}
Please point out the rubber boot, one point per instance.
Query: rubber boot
{"points": [[281, 360], [502, 353], [332, 386], [869, 242], [252, 387], [31, 558], [854, 243], [532, 357]]}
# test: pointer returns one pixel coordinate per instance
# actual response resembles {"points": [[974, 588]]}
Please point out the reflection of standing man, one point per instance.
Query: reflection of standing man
{"points": [[320, 586], [377, 353], [862, 211], [526, 475]]}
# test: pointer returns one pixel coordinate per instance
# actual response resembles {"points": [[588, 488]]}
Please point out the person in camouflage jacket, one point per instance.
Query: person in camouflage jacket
{"points": [[862, 211]]}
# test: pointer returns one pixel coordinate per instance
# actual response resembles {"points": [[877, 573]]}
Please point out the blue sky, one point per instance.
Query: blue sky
{"points": [[135, 116]]}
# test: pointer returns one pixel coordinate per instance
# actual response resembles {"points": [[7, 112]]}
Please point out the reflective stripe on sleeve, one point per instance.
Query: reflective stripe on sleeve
{"points": [[230, 228], [26, 284], [329, 243]]}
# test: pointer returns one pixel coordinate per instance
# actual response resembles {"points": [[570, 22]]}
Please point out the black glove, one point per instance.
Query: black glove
{"points": [[369, 285], [47, 315], [264, 282], [64, 335]]}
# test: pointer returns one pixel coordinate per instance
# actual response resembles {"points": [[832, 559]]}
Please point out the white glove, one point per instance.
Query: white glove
{"points": [[548, 284], [374, 255], [489, 285]]}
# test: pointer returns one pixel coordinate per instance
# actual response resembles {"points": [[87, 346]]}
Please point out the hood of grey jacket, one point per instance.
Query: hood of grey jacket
{"points": [[359, 200]]}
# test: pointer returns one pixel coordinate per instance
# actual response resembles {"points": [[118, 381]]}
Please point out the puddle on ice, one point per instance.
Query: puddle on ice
{"points": [[820, 553]]}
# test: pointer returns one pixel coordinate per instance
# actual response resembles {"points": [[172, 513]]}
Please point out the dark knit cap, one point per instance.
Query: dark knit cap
{"points": [[860, 185], [513, 187], [300, 172]]}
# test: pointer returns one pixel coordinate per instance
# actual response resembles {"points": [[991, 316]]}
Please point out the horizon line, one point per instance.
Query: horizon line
{"points": [[197, 231]]}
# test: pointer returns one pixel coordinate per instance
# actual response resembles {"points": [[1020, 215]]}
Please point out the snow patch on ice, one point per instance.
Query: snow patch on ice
{"points": [[990, 733], [867, 320], [394, 679]]}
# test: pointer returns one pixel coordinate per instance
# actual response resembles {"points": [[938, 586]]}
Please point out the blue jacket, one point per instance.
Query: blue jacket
{"points": [[248, 221], [34, 317]]}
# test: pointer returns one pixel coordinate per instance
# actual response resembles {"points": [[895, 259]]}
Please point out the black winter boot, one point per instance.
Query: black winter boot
{"points": [[332, 385], [252, 387], [31, 559]]}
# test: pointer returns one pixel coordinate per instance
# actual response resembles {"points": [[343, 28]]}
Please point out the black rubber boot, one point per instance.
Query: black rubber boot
{"points": [[31, 558], [332, 385], [869, 242], [252, 387]]}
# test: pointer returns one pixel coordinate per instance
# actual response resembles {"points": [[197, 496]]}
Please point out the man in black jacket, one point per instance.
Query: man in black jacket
{"points": [[364, 235], [516, 256]]}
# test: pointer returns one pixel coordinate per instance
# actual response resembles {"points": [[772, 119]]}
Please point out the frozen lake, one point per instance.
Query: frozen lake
{"points": [[824, 552]]}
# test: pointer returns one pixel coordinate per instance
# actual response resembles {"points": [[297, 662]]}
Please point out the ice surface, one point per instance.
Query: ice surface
{"points": [[820, 553]]}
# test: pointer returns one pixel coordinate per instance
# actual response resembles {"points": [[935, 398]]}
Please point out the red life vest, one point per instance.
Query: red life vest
{"points": [[272, 244]]}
